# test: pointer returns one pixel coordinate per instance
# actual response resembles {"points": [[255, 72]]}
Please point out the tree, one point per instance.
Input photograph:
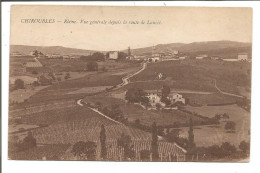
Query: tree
{"points": [[59, 79], [191, 135], [103, 142], [125, 142], [97, 56], [136, 95], [29, 141], [19, 84], [158, 105], [230, 126], [99, 105], [92, 66], [35, 53], [34, 72], [154, 144], [84, 150], [227, 149], [145, 155], [165, 91], [67, 75], [121, 55], [245, 147], [116, 112]]}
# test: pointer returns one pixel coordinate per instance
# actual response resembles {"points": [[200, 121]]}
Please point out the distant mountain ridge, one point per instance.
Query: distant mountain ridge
{"points": [[197, 47], [23, 49], [227, 49]]}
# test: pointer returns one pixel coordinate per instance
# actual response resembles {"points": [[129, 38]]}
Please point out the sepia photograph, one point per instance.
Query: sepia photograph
{"points": [[130, 84]]}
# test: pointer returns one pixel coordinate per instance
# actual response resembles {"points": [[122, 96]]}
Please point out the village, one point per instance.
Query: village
{"points": [[131, 91]]}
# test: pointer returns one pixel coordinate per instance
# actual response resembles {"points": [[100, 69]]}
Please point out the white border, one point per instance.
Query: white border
{"points": [[76, 166]]}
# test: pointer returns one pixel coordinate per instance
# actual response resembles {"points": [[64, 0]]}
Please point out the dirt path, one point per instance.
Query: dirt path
{"points": [[226, 93], [126, 79]]}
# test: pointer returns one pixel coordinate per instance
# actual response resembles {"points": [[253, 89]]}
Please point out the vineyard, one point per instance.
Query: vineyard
{"points": [[48, 152], [41, 108], [87, 130], [167, 151]]}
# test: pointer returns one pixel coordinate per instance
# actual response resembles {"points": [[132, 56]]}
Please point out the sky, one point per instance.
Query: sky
{"points": [[171, 25]]}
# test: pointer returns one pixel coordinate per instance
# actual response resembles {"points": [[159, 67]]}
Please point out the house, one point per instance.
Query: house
{"points": [[201, 56], [176, 98], [140, 57], [242, 56], [113, 55], [65, 57], [154, 99], [182, 57], [44, 79], [175, 52], [216, 57], [130, 57], [154, 59]]}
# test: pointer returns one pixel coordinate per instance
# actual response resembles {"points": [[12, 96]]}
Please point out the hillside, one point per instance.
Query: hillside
{"points": [[227, 49], [222, 48], [48, 50]]}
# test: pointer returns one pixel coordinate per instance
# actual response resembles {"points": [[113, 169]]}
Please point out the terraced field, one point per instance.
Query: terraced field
{"points": [[73, 124]]}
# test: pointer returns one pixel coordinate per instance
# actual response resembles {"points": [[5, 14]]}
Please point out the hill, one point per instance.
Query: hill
{"points": [[23, 49], [222, 48], [227, 49]]}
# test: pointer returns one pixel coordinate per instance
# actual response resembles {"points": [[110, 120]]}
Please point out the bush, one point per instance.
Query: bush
{"points": [[145, 155], [84, 150], [19, 84], [245, 147], [34, 72], [92, 66], [230, 126]]}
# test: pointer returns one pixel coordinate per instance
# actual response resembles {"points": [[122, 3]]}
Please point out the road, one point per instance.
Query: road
{"points": [[125, 82], [226, 93], [126, 79]]}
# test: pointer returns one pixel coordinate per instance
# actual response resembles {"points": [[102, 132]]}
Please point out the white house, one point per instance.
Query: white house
{"points": [[176, 98], [113, 55], [131, 57], [175, 52], [242, 56], [182, 57], [201, 56], [154, 98], [154, 59]]}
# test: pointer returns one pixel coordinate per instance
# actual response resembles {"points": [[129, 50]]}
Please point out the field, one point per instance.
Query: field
{"points": [[21, 95], [205, 99], [69, 125], [146, 117], [216, 134], [46, 152], [200, 75], [65, 125]]}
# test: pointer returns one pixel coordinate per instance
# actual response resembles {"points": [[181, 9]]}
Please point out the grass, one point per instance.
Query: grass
{"points": [[200, 75], [48, 152], [21, 95], [204, 99], [210, 135], [146, 117]]}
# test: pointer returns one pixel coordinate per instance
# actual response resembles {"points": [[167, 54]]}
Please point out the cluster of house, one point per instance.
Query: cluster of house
{"points": [[153, 57], [240, 57], [155, 98]]}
